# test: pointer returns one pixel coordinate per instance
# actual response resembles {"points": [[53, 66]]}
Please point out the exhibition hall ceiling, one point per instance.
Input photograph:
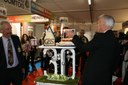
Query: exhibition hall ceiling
{"points": [[79, 11]]}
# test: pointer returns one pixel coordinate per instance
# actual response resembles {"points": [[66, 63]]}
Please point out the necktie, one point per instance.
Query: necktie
{"points": [[10, 53]]}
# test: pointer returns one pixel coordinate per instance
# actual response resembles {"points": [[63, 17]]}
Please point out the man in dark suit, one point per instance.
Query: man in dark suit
{"points": [[80, 54], [10, 73], [103, 54]]}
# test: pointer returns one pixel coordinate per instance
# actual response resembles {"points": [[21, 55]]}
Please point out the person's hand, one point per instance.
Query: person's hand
{"points": [[23, 73], [124, 42], [23, 70]]}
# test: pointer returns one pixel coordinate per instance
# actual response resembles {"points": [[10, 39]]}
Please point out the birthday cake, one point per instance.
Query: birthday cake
{"points": [[56, 79], [65, 43]]}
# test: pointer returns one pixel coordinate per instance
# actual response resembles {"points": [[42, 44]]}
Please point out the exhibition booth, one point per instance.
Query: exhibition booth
{"points": [[35, 20], [22, 24]]}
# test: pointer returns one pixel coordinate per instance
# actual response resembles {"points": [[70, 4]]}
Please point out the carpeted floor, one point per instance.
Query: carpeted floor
{"points": [[32, 76]]}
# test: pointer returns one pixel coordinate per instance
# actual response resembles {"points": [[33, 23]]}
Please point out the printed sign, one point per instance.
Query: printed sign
{"points": [[3, 12], [24, 4], [27, 18]]}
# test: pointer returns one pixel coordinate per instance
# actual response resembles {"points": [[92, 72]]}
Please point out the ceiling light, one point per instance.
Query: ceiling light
{"points": [[89, 2], [34, 0]]}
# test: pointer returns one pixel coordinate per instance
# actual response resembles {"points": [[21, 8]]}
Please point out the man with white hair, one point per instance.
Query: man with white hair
{"points": [[103, 54], [11, 57]]}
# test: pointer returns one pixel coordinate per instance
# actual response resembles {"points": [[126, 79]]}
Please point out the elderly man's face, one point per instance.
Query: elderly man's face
{"points": [[82, 33], [7, 30], [101, 25]]}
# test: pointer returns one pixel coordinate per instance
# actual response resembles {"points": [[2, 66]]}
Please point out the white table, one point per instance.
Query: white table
{"points": [[62, 56]]}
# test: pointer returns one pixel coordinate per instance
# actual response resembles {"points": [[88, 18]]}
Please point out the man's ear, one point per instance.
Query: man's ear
{"points": [[0, 29]]}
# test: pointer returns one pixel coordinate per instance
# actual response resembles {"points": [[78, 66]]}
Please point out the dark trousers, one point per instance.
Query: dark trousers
{"points": [[83, 62], [77, 61], [26, 68], [42, 58], [11, 75], [32, 57], [83, 57]]}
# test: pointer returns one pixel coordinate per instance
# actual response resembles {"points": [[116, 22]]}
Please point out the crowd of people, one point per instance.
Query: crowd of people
{"points": [[100, 57]]}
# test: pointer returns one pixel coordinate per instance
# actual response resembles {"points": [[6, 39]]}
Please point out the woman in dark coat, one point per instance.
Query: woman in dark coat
{"points": [[104, 52]]}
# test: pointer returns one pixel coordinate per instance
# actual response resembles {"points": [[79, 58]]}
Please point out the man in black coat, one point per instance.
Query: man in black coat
{"points": [[103, 54], [10, 72], [80, 54]]}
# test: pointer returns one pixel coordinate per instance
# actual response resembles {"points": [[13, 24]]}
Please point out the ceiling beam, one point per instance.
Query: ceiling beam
{"points": [[80, 10], [91, 16], [91, 10]]}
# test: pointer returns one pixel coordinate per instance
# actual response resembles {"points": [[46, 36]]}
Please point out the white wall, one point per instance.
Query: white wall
{"points": [[16, 28], [39, 29]]}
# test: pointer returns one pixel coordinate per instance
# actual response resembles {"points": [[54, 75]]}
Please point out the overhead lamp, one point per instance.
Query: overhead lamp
{"points": [[89, 2], [34, 0]]}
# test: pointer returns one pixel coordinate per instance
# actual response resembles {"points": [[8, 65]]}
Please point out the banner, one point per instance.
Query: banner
{"points": [[64, 21], [3, 12], [27, 18], [23, 4]]}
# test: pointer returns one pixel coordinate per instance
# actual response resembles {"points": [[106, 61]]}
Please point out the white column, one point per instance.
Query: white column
{"points": [[73, 63], [63, 62]]}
